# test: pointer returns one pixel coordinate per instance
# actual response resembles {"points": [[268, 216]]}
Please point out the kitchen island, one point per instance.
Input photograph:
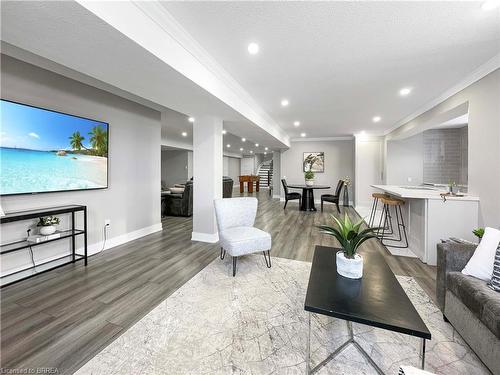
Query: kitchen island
{"points": [[429, 218]]}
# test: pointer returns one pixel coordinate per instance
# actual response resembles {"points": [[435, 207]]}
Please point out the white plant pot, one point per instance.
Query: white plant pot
{"points": [[309, 182], [351, 268], [47, 230]]}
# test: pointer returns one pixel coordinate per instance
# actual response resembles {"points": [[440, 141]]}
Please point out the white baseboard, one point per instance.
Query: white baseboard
{"points": [[205, 237], [96, 247]]}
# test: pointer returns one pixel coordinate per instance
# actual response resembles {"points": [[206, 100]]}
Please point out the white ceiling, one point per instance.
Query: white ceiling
{"points": [[341, 63]]}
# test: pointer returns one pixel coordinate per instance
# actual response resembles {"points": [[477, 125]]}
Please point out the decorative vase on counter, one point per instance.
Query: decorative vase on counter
{"points": [[47, 230], [310, 182], [351, 268]]}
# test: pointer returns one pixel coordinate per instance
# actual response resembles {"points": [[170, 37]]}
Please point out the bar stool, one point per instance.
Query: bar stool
{"points": [[386, 216], [376, 198]]}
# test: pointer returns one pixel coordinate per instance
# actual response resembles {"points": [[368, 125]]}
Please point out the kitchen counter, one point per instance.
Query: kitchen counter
{"points": [[421, 192], [429, 219]]}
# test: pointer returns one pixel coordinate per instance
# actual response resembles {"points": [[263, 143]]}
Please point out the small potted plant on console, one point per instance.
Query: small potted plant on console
{"points": [[350, 236], [47, 225]]}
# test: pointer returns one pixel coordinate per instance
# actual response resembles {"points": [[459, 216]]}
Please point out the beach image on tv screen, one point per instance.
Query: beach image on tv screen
{"points": [[44, 151]]}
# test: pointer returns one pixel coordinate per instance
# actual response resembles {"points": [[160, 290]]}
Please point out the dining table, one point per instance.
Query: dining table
{"points": [[307, 203]]}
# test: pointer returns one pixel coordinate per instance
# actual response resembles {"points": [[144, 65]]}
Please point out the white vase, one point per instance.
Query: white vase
{"points": [[351, 268], [47, 230], [309, 182]]}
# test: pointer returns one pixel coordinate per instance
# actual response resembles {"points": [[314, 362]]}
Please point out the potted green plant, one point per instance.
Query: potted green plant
{"points": [[47, 225], [479, 233], [350, 236], [309, 177]]}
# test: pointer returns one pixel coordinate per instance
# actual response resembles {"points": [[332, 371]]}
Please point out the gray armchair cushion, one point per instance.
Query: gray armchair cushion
{"points": [[451, 257], [482, 301]]}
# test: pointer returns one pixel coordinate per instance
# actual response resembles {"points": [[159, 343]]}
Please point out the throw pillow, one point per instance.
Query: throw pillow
{"points": [[481, 263], [495, 279]]}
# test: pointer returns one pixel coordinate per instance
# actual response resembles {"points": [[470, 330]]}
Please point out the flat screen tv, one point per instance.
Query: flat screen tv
{"points": [[44, 151]]}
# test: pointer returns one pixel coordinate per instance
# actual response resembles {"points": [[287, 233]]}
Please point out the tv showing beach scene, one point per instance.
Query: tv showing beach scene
{"points": [[46, 151]]}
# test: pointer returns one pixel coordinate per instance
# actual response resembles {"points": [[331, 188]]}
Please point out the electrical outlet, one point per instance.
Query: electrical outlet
{"points": [[107, 222]]}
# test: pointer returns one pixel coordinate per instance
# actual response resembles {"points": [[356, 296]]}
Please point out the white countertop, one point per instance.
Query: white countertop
{"points": [[423, 193]]}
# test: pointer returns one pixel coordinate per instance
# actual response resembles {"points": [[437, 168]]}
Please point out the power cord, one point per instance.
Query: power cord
{"points": [[31, 252], [105, 235]]}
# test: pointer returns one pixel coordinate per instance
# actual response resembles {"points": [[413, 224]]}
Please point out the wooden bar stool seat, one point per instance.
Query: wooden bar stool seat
{"points": [[376, 197]]}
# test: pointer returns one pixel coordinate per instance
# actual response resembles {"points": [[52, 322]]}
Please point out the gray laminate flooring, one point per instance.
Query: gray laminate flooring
{"points": [[62, 318]]}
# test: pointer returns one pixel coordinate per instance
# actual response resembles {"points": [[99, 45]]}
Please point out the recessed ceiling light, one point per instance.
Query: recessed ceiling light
{"points": [[284, 102], [256, 145], [302, 134], [296, 123], [253, 48], [191, 119], [376, 119], [405, 91], [265, 153], [490, 5], [241, 148], [243, 139], [224, 132], [266, 148], [251, 151], [228, 145], [184, 134]]}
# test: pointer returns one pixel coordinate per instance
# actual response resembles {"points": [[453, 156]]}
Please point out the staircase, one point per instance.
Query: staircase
{"points": [[265, 173]]}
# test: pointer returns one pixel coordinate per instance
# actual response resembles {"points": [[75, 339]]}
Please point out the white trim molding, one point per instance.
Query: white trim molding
{"points": [[205, 237], [322, 139]]}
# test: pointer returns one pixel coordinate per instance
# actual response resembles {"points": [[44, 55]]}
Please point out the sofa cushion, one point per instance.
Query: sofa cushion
{"points": [[244, 240], [482, 301]]}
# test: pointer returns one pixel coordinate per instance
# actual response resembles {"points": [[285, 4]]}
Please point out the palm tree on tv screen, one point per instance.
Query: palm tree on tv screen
{"points": [[99, 140], [76, 140]]}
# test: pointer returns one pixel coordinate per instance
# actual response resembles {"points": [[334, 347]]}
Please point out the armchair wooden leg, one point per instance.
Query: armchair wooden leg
{"points": [[234, 266], [267, 258]]}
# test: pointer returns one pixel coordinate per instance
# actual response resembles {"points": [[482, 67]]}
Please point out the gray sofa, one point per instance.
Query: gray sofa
{"points": [[468, 303]]}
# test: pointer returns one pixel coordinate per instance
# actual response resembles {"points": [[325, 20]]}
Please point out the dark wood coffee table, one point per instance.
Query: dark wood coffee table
{"points": [[377, 300]]}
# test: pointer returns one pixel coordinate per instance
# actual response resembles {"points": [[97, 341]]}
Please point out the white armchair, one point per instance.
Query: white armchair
{"points": [[237, 235]]}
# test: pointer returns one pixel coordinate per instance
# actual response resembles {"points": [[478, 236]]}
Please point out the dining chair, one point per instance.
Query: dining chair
{"points": [[237, 234], [290, 196], [333, 198]]}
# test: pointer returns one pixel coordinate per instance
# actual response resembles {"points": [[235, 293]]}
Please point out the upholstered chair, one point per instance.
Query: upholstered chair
{"points": [[237, 235], [290, 196], [333, 198]]}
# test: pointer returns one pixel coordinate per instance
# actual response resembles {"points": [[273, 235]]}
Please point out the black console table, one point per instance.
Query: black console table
{"points": [[71, 234]]}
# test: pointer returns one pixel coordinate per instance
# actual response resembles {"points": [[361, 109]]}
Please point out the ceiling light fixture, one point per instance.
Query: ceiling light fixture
{"points": [[490, 5], [405, 91], [267, 148], [376, 119], [224, 132], [296, 123], [243, 139], [241, 148], [256, 145], [191, 119], [253, 48], [284, 102], [228, 145], [251, 151], [265, 153], [184, 134], [302, 135]]}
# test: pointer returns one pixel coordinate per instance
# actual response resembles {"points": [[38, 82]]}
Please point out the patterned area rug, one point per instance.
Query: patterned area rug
{"points": [[255, 323]]}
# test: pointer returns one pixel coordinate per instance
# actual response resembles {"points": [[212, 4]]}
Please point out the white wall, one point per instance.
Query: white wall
{"points": [[248, 165], [339, 162], [405, 161], [174, 167], [232, 168], [482, 100], [368, 168], [132, 200]]}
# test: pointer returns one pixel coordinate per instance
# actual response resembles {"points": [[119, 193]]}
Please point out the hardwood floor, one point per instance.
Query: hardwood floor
{"points": [[63, 318]]}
